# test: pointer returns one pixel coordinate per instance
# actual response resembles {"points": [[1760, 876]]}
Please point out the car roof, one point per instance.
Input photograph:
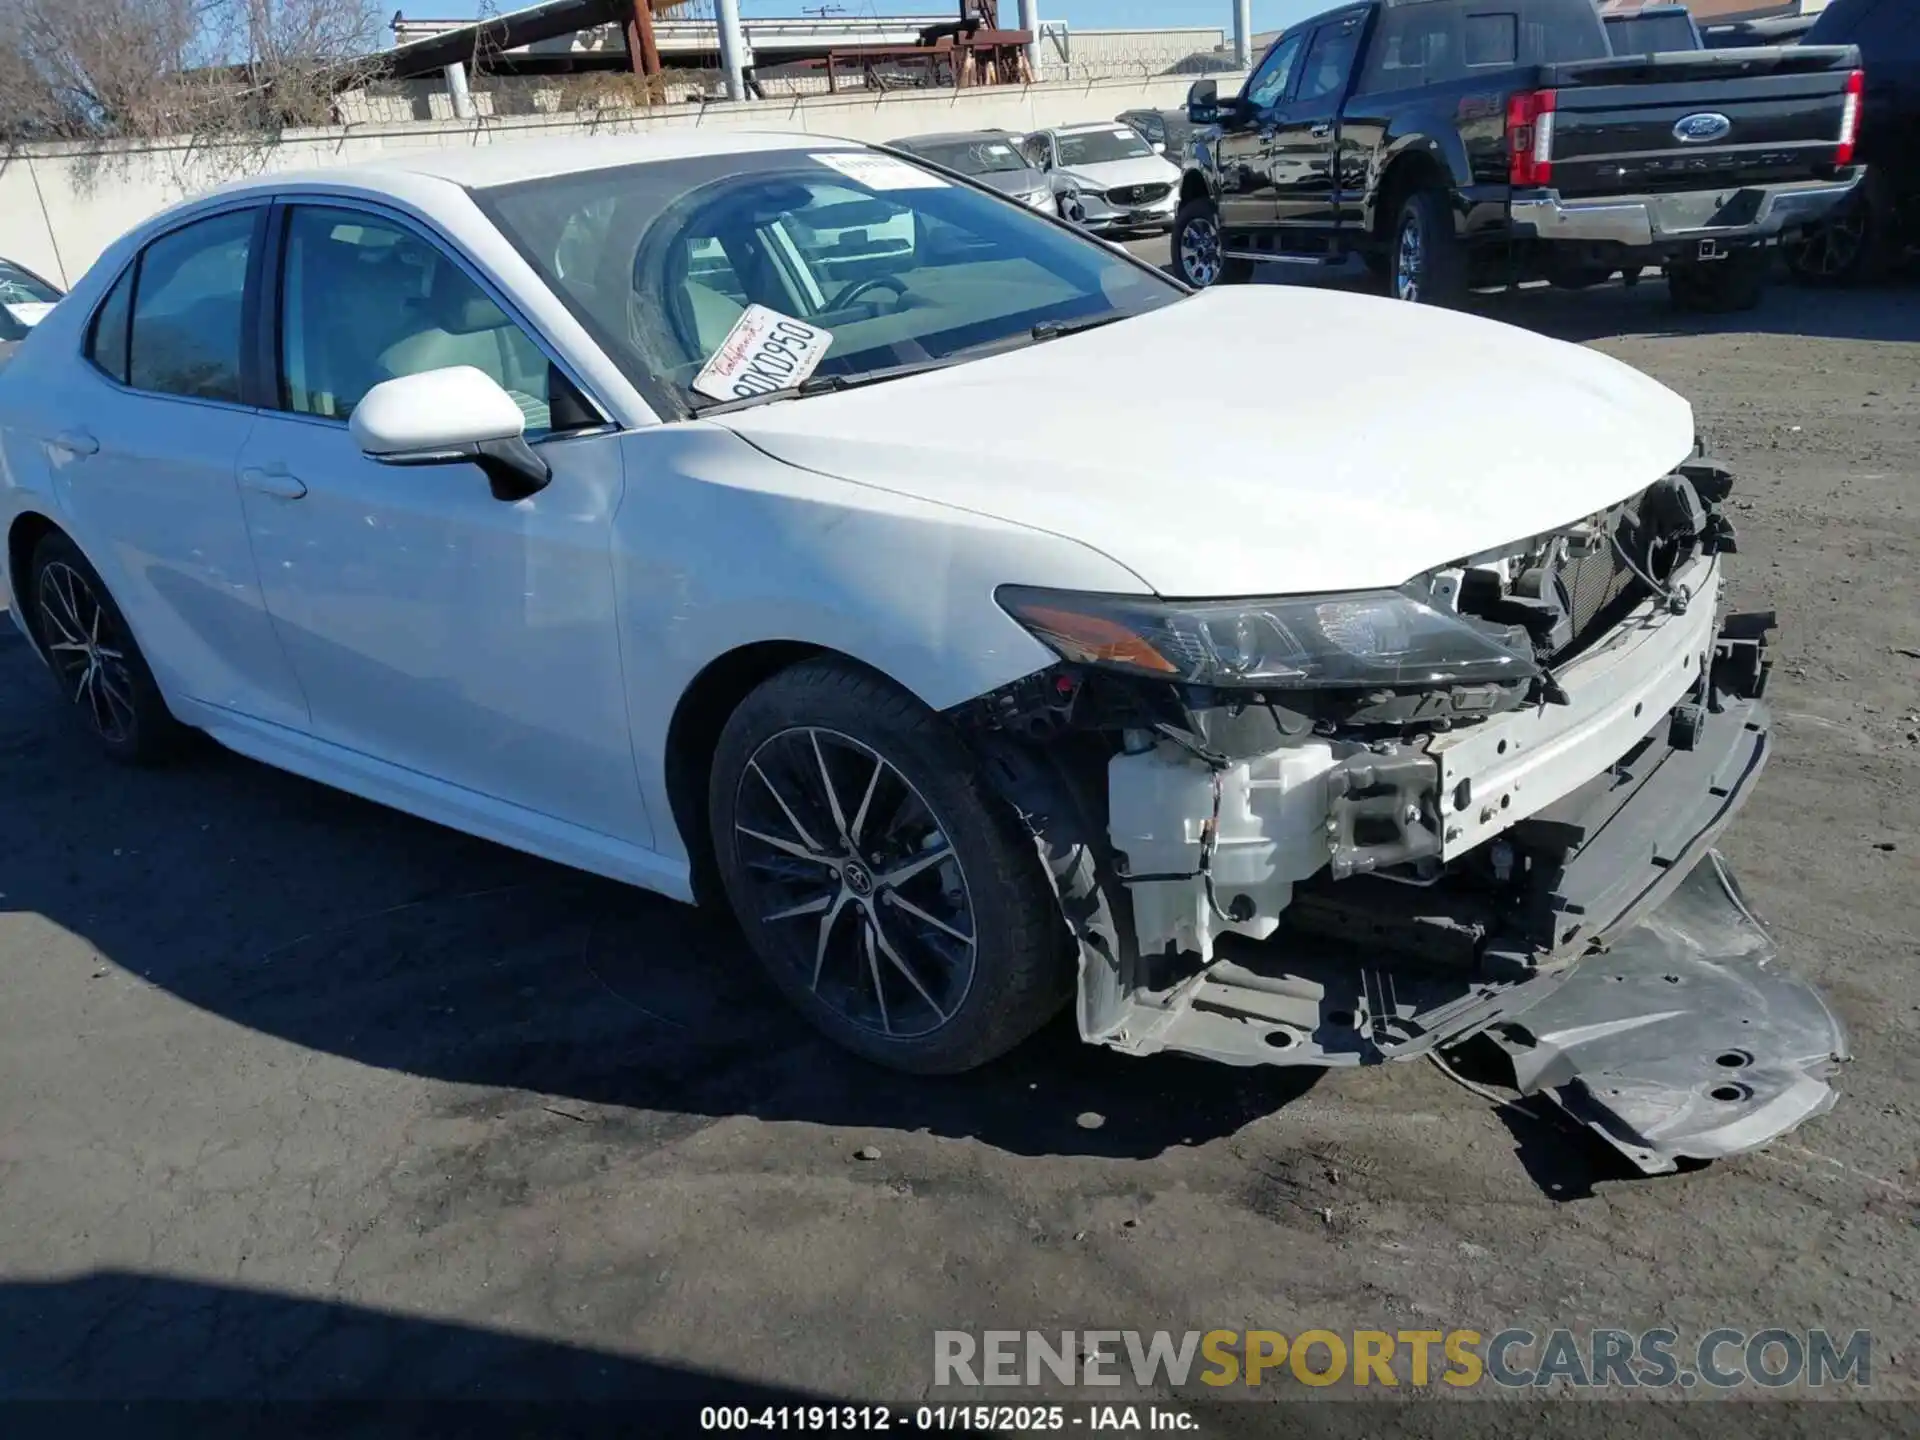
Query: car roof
{"points": [[479, 167]]}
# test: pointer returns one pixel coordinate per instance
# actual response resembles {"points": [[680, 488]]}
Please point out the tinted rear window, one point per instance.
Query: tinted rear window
{"points": [[1651, 34]]}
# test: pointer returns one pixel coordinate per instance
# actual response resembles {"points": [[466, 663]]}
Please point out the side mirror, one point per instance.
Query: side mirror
{"points": [[1203, 102], [455, 416], [1159, 147]]}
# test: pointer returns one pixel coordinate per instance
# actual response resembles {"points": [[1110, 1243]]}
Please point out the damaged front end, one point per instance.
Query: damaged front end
{"points": [[1348, 829]]}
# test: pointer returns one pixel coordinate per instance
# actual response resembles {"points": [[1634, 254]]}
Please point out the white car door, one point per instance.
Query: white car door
{"points": [[432, 626], [144, 432]]}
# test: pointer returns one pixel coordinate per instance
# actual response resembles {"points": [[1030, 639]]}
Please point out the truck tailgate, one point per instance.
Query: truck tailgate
{"points": [[1617, 123]]}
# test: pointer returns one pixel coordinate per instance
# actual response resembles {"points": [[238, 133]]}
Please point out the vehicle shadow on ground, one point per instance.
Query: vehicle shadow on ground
{"points": [[115, 1336], [308, 915]]}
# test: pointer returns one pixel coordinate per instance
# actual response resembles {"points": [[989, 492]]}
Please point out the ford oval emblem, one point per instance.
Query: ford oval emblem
{"points": [[1702, 129]]}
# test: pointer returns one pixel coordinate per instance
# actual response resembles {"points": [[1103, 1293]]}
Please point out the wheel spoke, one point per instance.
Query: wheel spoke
{"points": [[826, 934], [868, 931], [893, 879], [866, 801], [900, 902], [893, 955], [785, 809], [826, 781], [787, 847], [806, 907]]}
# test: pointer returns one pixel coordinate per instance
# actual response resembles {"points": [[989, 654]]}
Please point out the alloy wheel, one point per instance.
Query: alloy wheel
{"points": [[1829, 249], [87, 650], [1410, 261], [854, 881], [1200, 251]]}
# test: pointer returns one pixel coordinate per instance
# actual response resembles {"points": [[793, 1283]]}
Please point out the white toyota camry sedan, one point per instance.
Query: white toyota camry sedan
{"points": [[784, 522]]}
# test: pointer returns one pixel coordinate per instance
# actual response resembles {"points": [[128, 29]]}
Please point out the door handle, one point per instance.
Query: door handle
{"points": [[77, 442], [273, 480], [1321, 132]]}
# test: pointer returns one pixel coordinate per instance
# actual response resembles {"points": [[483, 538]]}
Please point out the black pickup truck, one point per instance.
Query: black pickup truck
{"points": [[1465, 143]]}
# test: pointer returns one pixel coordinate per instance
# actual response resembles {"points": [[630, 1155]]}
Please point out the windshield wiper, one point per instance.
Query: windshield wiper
{"points": [[1054, 329]]}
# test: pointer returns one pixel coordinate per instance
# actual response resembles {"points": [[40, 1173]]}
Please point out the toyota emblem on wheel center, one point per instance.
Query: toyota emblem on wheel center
{"points": [[1701, 129]]}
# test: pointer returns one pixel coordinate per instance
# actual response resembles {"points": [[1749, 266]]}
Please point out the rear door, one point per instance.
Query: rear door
{"points": [[147, 440], [1242, 151], [1306, 133]]}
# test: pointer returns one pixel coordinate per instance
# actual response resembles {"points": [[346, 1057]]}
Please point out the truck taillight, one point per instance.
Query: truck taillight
{"points": [[1850, 118], [1530, 137]]}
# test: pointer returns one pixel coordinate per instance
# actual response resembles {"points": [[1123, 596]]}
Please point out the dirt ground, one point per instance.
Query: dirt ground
{"points": [[303, 1098]]}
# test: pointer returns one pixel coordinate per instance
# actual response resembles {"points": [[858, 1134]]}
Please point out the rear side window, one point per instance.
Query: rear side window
{"points": [[1430, 42], [107, 341], [1492, 40], [186, 310]]}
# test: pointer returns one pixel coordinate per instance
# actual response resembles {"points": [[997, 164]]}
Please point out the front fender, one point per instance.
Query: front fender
{"points": [[718, 546]]}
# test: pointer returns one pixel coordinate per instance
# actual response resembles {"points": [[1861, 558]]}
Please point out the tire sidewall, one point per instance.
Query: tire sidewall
{"points": [[1191, 211], [1004, 881], [1443, 283]]}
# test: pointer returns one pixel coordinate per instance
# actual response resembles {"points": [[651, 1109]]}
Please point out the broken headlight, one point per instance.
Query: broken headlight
{"points": [[1369, 639]]}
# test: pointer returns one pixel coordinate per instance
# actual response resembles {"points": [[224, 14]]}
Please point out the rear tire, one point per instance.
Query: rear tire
{"points": [[828, 784], [95, 659], [1196, 244], [1856, 245], [1719, 287], [1426, 260]]}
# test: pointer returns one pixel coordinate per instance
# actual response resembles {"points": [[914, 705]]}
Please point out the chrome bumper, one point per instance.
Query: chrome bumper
{"points": [[1757, 212]]}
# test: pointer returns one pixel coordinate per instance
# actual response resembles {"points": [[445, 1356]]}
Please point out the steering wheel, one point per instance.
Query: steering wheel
{"points": [[859, 287]]}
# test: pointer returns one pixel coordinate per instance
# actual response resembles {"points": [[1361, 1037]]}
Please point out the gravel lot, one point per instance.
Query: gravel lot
{"points": [[299, 1096]]}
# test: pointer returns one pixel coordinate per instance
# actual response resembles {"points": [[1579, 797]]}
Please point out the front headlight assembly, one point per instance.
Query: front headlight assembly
{"points": [[1366, 640]]}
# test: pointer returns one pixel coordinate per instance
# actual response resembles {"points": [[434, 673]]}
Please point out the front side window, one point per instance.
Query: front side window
{"points": [[187, 297], [1098, 147], [1269, 83], [366, 299], [901, 266], [1328, 63]]}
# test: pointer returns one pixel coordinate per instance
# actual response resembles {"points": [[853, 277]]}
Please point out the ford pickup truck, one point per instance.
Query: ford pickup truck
{"points": [[1455, 144]]}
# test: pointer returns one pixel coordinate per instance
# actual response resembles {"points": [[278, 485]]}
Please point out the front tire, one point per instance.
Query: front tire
{"points": [[1719, 287], [1427, 264], [95, 660], [891, 896], [1198, 258]]}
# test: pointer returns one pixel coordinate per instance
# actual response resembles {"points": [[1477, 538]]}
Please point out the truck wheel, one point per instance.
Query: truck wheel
{"points": [[1856, 245], [1719, 287], [892, 897], [1197, 257], [1427, 264]]}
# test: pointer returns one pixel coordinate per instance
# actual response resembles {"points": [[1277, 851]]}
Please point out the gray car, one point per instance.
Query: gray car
{"points": [[991, 157]]}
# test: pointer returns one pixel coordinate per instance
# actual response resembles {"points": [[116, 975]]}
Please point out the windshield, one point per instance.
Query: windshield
{"points": [[660, 262], [24, 298], [1096, 147], [973, 157]]}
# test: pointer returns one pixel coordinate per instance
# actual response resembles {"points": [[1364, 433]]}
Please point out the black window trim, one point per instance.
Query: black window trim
{"points": [[257, 204], [265, 324]]}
